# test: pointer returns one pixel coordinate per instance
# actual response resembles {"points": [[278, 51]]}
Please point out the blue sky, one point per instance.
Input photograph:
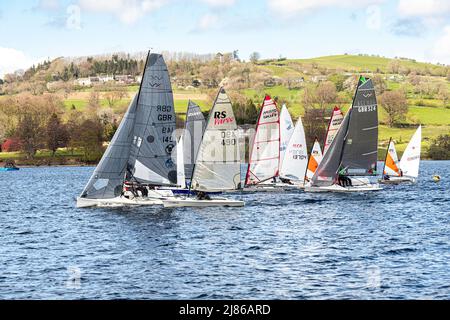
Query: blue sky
{"points": [[36, 29]]}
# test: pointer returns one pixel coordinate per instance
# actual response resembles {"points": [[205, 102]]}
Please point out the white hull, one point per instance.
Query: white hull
{"points": [[117, 202], [192, 202], [359, 185], [397, 180]]}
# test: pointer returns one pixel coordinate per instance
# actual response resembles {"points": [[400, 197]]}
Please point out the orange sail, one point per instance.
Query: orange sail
{"points": [[391, 162], [314, 160]]}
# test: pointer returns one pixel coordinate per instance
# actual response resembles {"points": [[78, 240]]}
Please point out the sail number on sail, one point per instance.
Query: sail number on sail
{"points": [[228, 138], [367, 108]]}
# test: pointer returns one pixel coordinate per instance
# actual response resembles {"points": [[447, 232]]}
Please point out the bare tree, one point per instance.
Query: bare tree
{"points": [[395, 105]]}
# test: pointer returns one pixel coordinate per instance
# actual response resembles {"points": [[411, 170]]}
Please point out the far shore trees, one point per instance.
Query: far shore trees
{"points": [[254, 57], [440, 148], [57, 135], [395, 105]]}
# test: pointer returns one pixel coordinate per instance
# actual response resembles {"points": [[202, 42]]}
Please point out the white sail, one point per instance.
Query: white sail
{"points": [[265, 154], [409, 164], [335, 123], [181, 177], [314, 160], [391, 164], [286, 130], [295, 161], [218, 165]]}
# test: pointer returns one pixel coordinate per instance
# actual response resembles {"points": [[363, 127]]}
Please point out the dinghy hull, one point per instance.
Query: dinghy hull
{"points": [[397, 180], [116, 202], [340, 189], [215, 202]]}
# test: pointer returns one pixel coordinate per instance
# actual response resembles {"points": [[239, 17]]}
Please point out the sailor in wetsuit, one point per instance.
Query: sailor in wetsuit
{"points": [[203, 196], [344, 181]]}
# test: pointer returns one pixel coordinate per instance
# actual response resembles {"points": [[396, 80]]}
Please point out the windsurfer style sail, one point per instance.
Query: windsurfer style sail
{"points": [[265, 152], [295, 161], [141, 150], [218, 166], [354, 149], [333, 126], [192, 136]]}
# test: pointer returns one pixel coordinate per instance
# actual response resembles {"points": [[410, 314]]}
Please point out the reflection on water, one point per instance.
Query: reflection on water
{"points": [[390, 244]]}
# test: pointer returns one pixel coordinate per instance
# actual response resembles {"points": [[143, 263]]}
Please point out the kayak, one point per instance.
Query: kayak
{"points": [[9, 169]]}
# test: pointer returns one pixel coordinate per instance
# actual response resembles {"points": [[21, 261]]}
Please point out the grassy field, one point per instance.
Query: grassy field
{"points": [[353, 63]]}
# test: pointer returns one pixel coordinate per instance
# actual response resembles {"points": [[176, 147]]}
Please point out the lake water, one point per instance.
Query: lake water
{"points": [[394, 244]]}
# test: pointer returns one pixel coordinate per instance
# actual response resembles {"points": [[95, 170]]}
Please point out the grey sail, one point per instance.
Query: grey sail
{"points": [[192, 136], [107, 179], [361, 144], [218, 165], [153, 142], [328, 168]]}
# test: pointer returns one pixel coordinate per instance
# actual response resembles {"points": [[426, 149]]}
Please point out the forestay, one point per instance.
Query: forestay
{"points": [[265, 152], [107, 179], [410, 162], [153, 141], [218, 165], [294, 163], [192, 136], [333, 126]]}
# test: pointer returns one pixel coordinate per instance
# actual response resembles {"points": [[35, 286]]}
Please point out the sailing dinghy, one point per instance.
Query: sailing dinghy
{"points": [[314, 160], [264, 161], [407, 169], [139, 157], [218, 165], [353, 153]]}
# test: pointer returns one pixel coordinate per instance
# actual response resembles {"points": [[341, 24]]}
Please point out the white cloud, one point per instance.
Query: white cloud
{"points": [[293, 7], [128, 11], [441, 49], [12, 60], [423, 8], [219, 3]]}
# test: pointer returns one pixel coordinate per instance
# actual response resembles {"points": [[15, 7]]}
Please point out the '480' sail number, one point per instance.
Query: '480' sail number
{"points": [[228, 139]]}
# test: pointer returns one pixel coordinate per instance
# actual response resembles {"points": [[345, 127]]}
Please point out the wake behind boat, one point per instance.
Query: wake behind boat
{"points": [[353, 152]]}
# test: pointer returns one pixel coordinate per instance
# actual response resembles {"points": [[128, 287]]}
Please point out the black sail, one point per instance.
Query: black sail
{"points": [[328, 168], [153, 141], [107, 179], [192, 136], [360, 152]]}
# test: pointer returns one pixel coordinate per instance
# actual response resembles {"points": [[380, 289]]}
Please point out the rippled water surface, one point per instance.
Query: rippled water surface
{"points": [[393, 244]]}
